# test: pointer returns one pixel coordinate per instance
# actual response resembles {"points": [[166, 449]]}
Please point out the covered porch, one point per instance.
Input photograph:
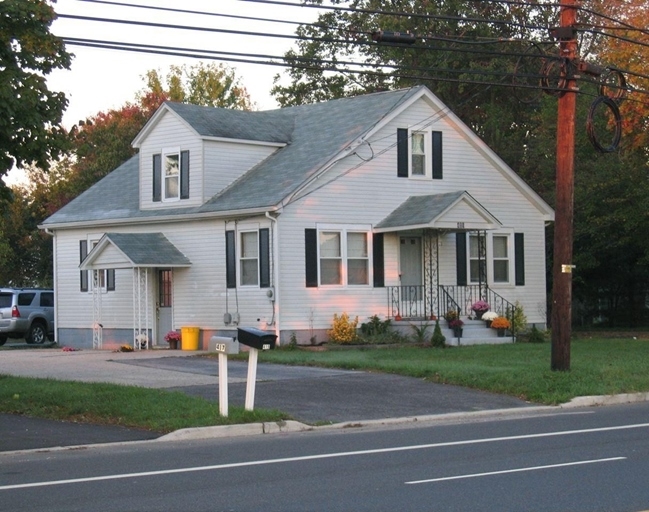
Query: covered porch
{"points": [[148, 256], [422, 224]]}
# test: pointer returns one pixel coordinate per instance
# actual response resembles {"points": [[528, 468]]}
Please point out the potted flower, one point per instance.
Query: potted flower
{"points": [[456, 325], [480, 308], [489, 317], [451, 315], [173, 338], [500, 323]]}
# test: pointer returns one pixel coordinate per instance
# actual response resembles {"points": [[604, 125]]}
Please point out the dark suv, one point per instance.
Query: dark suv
{"points": [[26, 313]]}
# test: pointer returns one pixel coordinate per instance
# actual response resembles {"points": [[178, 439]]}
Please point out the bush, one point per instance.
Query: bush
{"points": [[536, 335], [375, 326], [420, 332], [343, 329], [439, 340], [519, 320]]}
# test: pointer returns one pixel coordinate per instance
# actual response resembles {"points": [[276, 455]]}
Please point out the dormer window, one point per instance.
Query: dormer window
{"points": [[171, 175]]}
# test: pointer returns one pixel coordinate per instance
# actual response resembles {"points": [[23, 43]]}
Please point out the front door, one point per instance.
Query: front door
{"points": [[164, 310], [410, 268]]}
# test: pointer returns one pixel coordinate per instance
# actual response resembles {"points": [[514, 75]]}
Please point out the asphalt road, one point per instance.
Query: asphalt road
{"points": [[591, 459]]}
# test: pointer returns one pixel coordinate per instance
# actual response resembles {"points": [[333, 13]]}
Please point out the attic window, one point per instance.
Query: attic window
{"points": [[171, 175]]}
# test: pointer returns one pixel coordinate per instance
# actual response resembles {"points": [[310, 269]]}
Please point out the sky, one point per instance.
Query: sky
{"points": [[103, 79]]}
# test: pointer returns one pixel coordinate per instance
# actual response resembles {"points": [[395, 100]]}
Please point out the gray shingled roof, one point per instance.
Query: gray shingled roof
{"points": [[313, 135], [148, 249], [419, 210]]}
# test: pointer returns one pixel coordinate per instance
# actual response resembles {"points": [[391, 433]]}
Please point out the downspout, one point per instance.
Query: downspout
{"points": [[48, 231], [275, 283]]}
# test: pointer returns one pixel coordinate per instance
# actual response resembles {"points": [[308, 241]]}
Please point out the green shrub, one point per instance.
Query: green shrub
{"points": [[438, 340], [375, 326], [420, 332]]}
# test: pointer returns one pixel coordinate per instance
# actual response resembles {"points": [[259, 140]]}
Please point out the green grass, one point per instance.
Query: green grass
{"points": [[111, 404], [598, 367]]}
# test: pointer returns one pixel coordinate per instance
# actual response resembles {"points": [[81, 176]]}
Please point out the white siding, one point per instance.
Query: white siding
{"points": [[359, 192], [227, 161], [171, 132]]}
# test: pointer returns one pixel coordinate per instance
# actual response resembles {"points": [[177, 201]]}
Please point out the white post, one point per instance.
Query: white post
{"points": [[252, 379], [223, 384]]}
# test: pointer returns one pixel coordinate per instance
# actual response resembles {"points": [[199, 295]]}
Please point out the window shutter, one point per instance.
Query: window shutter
{"points": [[157, 178], [460, 256], [230, 260], [311, 257], [378, 260], [110, 279], [519, 258], [184, 175], [83, 275], [437, 155], [402, 153], [264, 258]]}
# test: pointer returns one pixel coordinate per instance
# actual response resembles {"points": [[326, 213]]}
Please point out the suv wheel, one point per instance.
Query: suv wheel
{"points": [[36, 334], [3, 340]]}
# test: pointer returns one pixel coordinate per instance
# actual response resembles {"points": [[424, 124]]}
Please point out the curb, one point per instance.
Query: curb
{"points": [[595, 400], [245, 429]]}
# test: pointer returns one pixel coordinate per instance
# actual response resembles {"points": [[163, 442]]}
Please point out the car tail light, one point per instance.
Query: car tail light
{"points": [[14, 312]]}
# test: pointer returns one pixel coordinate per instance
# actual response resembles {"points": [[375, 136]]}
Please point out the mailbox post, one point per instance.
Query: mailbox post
{"points": [[223, 346], [257, 340]]}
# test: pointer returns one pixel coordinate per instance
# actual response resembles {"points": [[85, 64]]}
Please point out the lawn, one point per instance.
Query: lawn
{"points": [[598, 366]]}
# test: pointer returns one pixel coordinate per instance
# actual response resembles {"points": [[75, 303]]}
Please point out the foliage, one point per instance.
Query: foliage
{"points": [[125, 348], [30, 114], [480, 305], [420, 332], [375, 326], [212, 85], [173, 336], [535, 335], [451, 315], [489, 315], [456, 324], [438, 340], [519, 319], [343, 329], [500, 323]]}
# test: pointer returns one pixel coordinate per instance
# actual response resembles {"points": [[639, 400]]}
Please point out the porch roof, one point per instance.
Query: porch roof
{"points": [[132, 250], [457, 211]]}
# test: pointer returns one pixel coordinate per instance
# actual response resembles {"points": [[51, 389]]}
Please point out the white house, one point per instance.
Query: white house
{"points": [[384, 204]]}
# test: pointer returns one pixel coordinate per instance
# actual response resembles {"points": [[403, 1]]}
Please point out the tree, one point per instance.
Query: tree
{"points": [[212, 85], [30, 114]]}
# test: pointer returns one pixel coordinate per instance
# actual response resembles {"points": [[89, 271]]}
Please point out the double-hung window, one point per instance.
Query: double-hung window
{"points": [[489, 258], [170, 175], [419, 154], [344, 257], [249, 258]]}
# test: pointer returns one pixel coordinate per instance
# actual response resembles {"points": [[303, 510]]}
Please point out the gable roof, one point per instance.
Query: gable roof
{"points": [[309, 136], [437, 212], [129, 250]]}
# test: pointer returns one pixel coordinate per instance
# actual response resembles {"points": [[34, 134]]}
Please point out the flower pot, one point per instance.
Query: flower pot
{"points": [[173, 345], [501, 333], [457, 332], [478, 314], [488, 323]]}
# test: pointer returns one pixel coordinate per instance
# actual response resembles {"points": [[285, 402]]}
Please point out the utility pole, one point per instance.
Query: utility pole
{"points": [[563, 233]]}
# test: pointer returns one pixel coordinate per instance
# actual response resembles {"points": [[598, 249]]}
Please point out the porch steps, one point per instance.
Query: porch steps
{"points": [[474, 332]]}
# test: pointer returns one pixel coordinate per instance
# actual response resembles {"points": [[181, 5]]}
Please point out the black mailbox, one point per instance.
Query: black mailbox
{"points": [[256, 338]]}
